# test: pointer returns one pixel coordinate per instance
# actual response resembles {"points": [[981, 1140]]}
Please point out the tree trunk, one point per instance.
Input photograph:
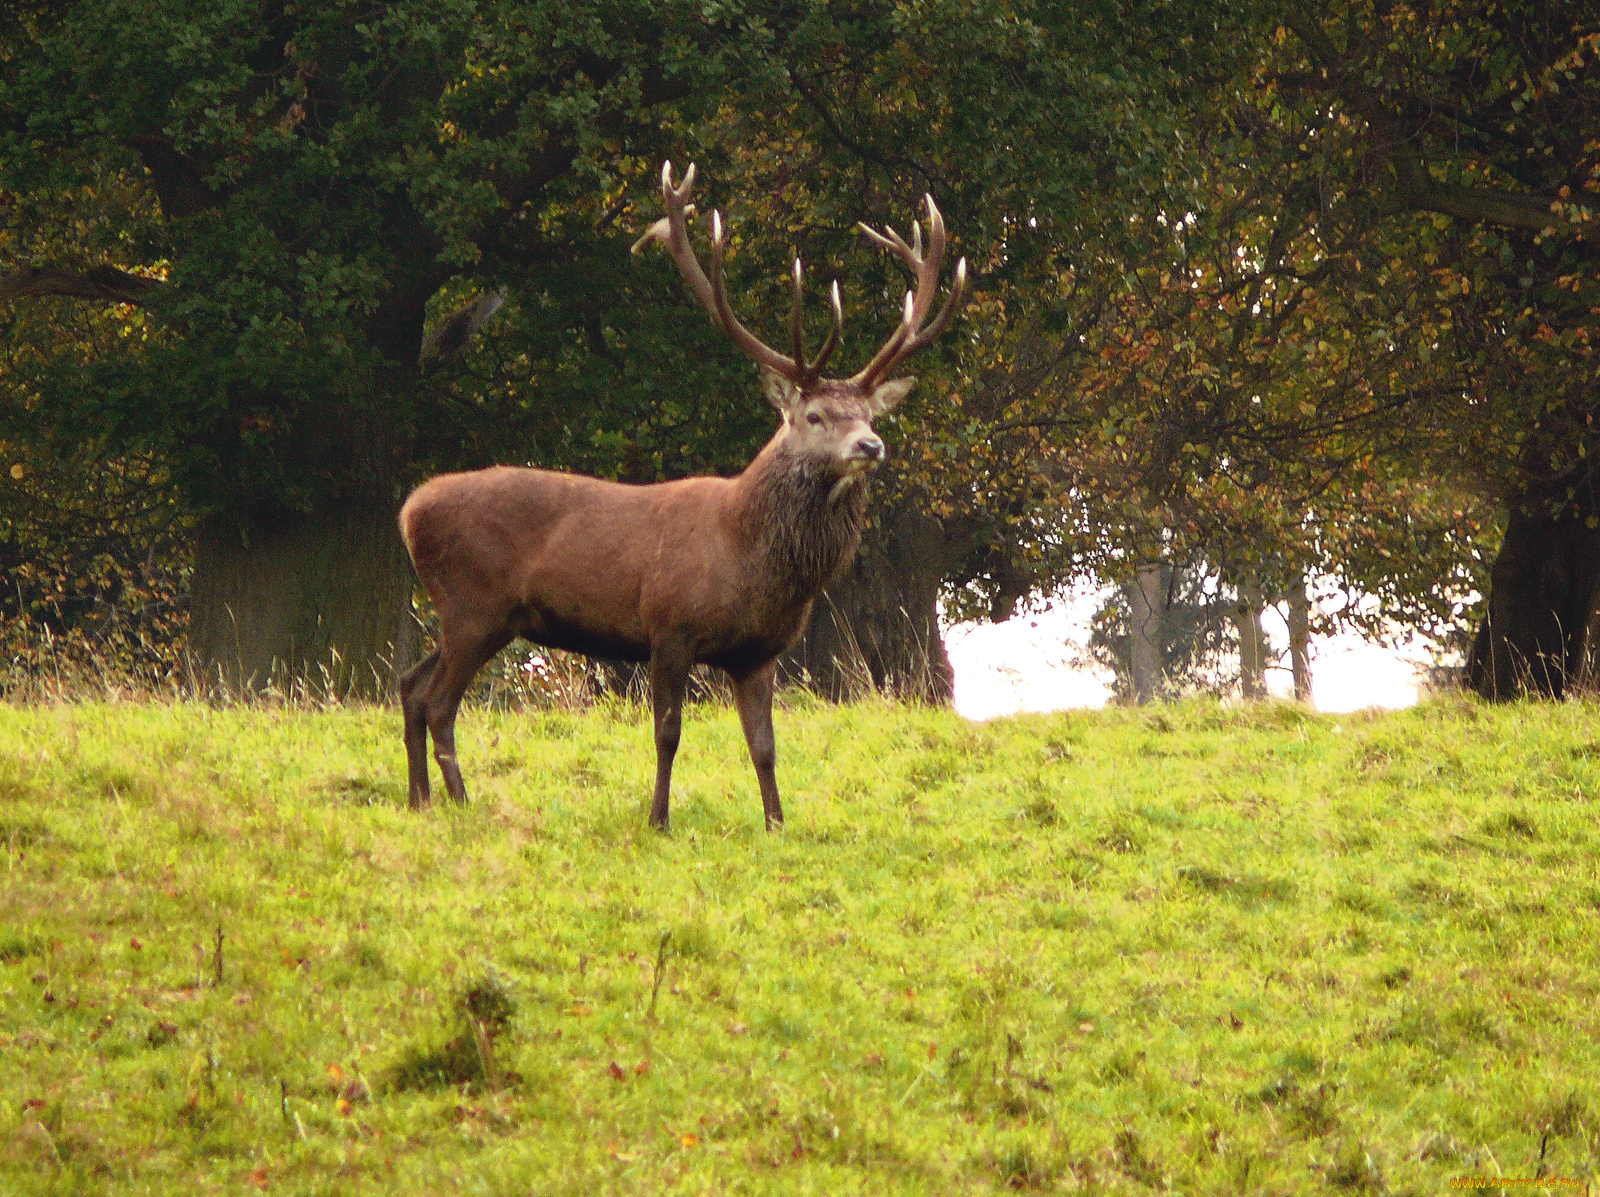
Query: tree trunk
{"points": [[324, 600], [1541, 599], [877, 626], [1300, 640], [1147, 617], [1252, 642]]}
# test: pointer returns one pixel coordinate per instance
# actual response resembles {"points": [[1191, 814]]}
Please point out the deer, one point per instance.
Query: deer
{"points": [[700, 570]]}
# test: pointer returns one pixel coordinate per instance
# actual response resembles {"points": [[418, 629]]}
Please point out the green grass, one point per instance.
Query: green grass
{"points": [[1207, 949]]}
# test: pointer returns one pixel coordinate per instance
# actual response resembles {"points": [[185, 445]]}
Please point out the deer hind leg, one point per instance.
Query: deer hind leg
{"points": [[669, 677], [413, 691], [752, 694], [459, 662]]}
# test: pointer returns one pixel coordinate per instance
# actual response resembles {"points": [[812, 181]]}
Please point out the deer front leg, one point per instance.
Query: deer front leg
{"points": [[670, 663], [460, 658], [752, 694], [413, 694]]}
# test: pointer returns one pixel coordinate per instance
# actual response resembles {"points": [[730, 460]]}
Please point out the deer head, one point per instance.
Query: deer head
{"points": [[827, 421]]}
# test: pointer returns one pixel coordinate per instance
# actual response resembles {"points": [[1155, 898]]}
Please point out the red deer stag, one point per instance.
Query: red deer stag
{"points": [[714, 570]]}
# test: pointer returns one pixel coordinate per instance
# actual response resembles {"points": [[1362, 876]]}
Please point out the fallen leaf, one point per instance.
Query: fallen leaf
{"points": [[616, 1071], [344, 1106], [135, 944], [933, 1049], [642, 1067], [874, 1059], [336, 1073], [259, 1178], [690, 1140]]}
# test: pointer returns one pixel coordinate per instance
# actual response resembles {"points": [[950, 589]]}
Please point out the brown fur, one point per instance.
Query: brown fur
{"points": [[609, 569], [721, 571]]}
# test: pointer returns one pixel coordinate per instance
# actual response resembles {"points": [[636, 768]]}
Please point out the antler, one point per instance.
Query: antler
{"points": [[912, 335], [672, 231]]}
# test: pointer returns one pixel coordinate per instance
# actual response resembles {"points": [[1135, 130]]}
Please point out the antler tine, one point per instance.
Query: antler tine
{"points": [[797, 318], [811, 371], [753, 346], [893, 242], [672, 232], [911, 335], [823, 354], [886, 357], [682, 191], [935, 225], [930, 333]]}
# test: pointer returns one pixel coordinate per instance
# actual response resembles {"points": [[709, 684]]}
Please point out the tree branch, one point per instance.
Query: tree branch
{"points": [[1421, 191], [1417, 189], [450, 337], [101, 282]]}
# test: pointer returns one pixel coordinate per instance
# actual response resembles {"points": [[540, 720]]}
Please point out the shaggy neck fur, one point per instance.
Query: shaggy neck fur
{"points": [[805, 532]]}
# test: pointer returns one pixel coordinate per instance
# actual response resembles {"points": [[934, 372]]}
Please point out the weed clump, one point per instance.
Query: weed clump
{"points": [[161, 1034], [1042, 812], [1355, 1171], [1566, 1117], [482, 1018], [360, 790], [1021, 1167], [1132, 1159], [1510, 824], [14, 947], [1248, 890]]}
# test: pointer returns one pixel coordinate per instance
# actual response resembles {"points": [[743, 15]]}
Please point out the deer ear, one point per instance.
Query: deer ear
{"points": [[780, 392], [888, 396]]}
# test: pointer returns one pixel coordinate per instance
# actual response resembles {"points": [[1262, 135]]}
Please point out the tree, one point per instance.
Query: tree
{"points": [[1229, 387], [1164, 633], [1468, 133], [324, 180], [91, 541], [330, 184]]}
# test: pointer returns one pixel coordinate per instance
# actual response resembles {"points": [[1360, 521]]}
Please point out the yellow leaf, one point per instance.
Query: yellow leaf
{"points": [[690, 1140]]}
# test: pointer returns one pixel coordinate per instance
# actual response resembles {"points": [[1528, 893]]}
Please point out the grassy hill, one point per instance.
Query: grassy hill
{"points": [[1207, 949]]}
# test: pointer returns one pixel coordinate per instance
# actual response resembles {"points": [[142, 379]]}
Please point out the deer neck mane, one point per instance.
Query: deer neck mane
{"points": [[805, 527]]}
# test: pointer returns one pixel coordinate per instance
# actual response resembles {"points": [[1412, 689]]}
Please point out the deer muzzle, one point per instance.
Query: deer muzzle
{"points": [[866, 453]]}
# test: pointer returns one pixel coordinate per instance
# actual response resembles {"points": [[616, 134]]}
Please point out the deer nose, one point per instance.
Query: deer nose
{"points": [[868, 447]]}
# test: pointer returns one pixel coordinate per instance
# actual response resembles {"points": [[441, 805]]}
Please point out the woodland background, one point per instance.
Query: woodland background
{"points": [[1262, 291]]}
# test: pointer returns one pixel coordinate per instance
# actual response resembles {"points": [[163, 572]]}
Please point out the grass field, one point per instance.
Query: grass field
{"points": [[1204, 949]]}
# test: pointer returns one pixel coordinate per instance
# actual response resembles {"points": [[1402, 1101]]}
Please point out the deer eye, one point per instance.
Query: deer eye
{"points": [[814, 420]]}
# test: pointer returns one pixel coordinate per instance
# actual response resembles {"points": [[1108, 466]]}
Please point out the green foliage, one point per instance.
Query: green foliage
{"points": [[317, 183], [320, 174], [1283, 952]]}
